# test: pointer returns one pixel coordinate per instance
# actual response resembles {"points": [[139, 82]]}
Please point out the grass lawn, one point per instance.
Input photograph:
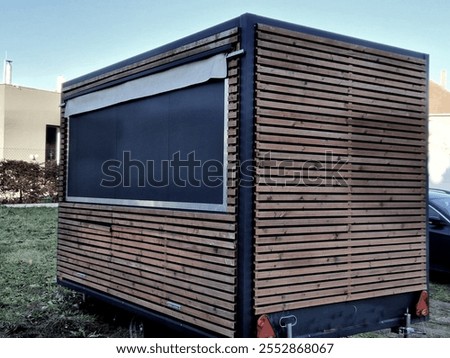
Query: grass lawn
{"points": [[31, 303]]}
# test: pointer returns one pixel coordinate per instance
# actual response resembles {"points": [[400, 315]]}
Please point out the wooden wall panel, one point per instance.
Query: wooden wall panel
{"points": [[156, 256], [341, 171], [179, 263]]}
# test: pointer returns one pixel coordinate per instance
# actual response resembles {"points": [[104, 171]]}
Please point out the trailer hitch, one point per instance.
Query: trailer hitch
{"points": [[407, 330]]}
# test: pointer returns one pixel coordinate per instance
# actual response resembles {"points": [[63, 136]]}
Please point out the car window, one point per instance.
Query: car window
{"points": [[442, 204]]}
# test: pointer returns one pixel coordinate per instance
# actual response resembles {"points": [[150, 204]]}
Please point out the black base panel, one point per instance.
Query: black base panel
{"points": [[349, 318]]}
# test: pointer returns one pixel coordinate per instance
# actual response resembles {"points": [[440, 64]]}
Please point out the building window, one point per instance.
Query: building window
{"points": [[51, 143]]}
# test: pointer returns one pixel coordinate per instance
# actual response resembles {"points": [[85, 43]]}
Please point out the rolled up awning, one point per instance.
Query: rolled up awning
{"points": [[175, 78]]}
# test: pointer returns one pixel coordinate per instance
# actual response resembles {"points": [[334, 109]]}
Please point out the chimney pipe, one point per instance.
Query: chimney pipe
{"points": [[59, 83], [7, 75]]}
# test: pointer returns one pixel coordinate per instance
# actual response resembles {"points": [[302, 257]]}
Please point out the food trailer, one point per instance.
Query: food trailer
{"points": [[258, 178]]}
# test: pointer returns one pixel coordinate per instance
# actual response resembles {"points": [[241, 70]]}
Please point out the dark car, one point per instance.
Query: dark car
{"points": [[439, 230]]}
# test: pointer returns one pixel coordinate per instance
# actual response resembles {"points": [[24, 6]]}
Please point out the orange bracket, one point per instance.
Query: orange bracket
{"points": [[264, 328], [422, 309]]}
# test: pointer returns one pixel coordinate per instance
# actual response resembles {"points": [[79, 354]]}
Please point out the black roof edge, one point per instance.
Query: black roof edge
{"points": [[156, 51], [235, 22], [339, 37]]}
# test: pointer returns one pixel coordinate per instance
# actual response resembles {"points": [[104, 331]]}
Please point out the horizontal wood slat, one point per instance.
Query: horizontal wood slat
{"points": [[341, 143]]}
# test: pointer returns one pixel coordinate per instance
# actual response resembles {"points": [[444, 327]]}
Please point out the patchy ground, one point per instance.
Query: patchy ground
{"points": [[438, 325], [64, 316], [33, 305]]}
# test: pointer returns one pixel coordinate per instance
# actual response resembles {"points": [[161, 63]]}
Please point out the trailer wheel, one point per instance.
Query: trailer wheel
{"points": [[136, 328]]}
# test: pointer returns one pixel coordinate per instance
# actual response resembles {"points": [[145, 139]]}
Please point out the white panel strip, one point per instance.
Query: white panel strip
{"points": [[165, 81]]}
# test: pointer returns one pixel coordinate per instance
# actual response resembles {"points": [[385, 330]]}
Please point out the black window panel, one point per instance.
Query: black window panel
{"points": [[151, 132]]}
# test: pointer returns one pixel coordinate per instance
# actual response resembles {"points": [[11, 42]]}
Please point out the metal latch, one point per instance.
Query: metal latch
{"points": [[288, 322]]}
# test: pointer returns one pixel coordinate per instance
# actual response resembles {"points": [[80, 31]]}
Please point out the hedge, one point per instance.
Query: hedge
{"points": [[28, 182]]}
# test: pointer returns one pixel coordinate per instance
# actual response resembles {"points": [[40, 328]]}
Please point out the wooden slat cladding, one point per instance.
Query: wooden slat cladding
{"points": [[157, 256], [178, 263], [341, 171]]}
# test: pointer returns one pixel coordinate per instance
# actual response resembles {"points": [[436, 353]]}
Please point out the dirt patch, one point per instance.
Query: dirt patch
{"points": [[439, 324], [65, 316]]}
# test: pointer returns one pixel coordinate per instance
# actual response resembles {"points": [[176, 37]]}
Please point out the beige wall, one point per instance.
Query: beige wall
{"points": [[439, 139], [2, 119], [26, 113], [439, 151]]}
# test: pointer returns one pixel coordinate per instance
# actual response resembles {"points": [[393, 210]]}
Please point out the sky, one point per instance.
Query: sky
{"points": [[50, 38]]}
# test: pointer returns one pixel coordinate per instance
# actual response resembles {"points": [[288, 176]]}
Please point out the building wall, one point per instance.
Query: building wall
{"points": [[2, 119], [25, 113], [439, 142], [439, 151]]}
